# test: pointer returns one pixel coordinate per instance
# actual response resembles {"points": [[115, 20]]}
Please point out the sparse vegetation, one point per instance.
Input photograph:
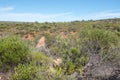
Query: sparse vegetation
{"points": [[78, 50]]}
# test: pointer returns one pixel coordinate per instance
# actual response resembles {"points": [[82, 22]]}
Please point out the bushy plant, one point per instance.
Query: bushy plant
{"points": [[12, 51], [100, 42], [50, 39], [104, 37], [24, 72], [39, 59], [47, 71], [69, 50], [96, 40]]}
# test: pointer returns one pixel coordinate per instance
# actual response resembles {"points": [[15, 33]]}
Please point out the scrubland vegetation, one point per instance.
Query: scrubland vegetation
{"points": [[77, 50]]}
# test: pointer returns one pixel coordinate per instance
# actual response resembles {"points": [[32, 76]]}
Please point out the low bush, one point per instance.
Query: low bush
{"points": [[103, 37], [39, 59], [24, 72], [69, 50], [12, 52]]}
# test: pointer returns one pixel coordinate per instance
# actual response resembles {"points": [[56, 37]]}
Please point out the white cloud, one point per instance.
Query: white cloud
{"points": [[6, 15], [31, 17], [108, 15], [104, 15], [5, 9]]}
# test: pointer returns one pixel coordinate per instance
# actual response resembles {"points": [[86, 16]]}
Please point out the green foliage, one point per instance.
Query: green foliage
{"points": [[70, 67], [12, 51], [100, 41], [117, 28], [101, 37], [69, 50], [50, 39], [74, 61], [39, 59], [24, 72]]}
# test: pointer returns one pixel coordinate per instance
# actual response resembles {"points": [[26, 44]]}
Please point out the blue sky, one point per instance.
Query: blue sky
{"points": [[58, 10]]}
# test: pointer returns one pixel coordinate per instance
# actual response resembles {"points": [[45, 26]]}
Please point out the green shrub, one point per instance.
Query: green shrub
{"points": [[95, 41], [24, 72], [69, 50], [70, 67], [39, 59], [50, 39], [12, 51], [117, 28], [101, 36]]}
